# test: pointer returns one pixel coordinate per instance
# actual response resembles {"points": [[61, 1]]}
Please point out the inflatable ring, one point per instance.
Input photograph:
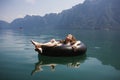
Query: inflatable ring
{"points": [[63, 50]]}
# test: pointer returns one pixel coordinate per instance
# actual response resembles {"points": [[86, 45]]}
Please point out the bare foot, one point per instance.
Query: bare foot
{"points": [[40, 49], [36, 44], [33, 42]]}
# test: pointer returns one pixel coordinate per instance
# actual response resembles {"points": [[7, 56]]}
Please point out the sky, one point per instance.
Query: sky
{"points": [[12, 9]]}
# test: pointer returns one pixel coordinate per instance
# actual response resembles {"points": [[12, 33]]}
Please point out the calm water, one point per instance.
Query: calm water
{"points": [[19, 61]]}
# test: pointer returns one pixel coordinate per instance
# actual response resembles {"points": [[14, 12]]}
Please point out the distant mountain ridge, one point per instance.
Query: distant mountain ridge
{"points": [[92, 14], [4, 25]]}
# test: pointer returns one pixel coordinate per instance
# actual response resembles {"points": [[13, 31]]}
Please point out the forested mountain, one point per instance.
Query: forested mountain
{"points": [[92, 14]]}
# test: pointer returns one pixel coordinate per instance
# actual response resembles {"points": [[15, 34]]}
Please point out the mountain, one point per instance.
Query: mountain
{"points": [[4, 25], [28, 22], [92, 14]]}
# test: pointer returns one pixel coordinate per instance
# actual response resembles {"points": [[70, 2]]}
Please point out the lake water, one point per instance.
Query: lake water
{"points": [[19, 60]]}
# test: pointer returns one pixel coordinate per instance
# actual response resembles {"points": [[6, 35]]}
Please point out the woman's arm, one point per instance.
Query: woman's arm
{"points": [[77, 43], [74, 46]]}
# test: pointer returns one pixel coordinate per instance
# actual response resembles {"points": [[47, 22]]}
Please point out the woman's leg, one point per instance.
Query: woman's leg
{"points": [[37, 45], [52, 42], [49, 44]]}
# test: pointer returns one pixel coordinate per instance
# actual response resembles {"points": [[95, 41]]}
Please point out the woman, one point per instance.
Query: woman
{"points": [[69, 40]]}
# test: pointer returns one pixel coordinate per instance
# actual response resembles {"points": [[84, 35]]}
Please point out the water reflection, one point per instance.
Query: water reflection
{"points": [[52, 62]]}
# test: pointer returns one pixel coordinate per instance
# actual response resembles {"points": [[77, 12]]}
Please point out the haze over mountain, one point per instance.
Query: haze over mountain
{"points": [[4, 25], [92, 14]]}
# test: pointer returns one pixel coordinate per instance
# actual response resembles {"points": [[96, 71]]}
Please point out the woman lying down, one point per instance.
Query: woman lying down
{"points": [[69, 40]]}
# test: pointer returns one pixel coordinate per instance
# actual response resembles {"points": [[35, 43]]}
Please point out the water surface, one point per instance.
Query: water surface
{"points": [[19, 61]]}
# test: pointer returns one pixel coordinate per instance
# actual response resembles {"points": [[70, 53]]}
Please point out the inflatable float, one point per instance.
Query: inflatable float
{"points": [[63, 50]]}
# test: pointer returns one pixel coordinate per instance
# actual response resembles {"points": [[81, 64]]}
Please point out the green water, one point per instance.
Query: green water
{"points": [[19, 61]]}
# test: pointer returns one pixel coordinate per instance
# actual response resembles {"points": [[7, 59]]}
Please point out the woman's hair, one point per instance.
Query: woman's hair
{"points": [[72, 41]]}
